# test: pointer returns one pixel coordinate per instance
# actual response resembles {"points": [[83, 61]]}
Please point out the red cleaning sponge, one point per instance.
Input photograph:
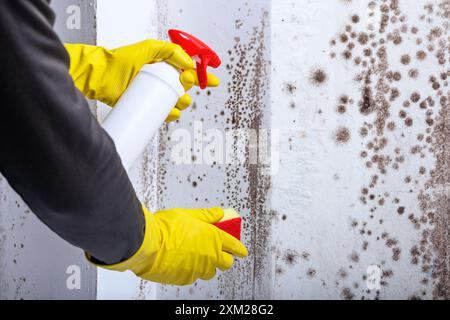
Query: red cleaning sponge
{"points": [[230, 223]]}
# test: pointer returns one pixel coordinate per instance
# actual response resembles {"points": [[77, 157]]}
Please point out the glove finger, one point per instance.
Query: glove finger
{"points": [[174, 115], [232, 245], [209, 275], [174, 55], [225, 262], [189, 78], [184, 102], [208, 215]]}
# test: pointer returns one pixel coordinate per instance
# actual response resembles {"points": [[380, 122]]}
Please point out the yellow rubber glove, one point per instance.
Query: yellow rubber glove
{"points": [[181, 246], [104, 75]]}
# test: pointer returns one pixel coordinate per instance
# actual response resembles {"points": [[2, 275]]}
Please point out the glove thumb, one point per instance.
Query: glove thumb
{"points": [[208, 215]]}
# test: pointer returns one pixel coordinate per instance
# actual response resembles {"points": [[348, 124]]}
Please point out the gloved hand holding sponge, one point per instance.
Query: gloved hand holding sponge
{"points": [[180, 245]]}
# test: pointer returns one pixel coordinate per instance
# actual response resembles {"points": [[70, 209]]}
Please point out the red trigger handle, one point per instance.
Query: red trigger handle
{"points": [[199, 51]]}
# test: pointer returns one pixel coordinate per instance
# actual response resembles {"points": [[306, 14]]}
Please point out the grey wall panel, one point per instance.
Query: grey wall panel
{"points": [[34, 262]]}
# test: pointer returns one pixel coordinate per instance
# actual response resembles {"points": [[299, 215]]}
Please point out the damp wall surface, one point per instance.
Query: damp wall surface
{"points": [[344, 104], [34, 262], [329, 133]]}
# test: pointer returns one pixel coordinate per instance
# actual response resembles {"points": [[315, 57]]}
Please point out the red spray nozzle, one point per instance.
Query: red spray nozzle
{"points": [[202, 54]]}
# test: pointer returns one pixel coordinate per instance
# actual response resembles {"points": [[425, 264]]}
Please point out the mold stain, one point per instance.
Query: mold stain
{"points": [[435, 204], [247, 185], [311, 273], [341, 109], [318, 77], [291, 257], [290, 88], [342, 135]]}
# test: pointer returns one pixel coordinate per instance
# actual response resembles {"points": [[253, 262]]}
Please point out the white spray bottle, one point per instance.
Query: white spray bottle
{"points": [[148, 100]]}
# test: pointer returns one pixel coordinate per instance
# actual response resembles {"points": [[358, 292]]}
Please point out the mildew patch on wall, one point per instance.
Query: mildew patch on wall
{"points": [[358, 95], [247, 186], [389, 54], [377, 133]]}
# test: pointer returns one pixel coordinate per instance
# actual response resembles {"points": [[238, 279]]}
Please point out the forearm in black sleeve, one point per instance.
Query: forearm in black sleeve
{"points": [[52, 150]]}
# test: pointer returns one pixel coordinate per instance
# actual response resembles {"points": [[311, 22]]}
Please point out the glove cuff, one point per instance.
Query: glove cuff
{"points": [[145, 255]]}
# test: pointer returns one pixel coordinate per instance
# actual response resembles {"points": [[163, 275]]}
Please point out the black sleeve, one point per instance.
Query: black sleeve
{"points": [[52, 150]]}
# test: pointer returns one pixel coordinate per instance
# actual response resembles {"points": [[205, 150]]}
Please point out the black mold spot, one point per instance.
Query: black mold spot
{"points": [[363, 38], [355, 18], [318, 77], [413, 73], [421, 55], [342, 274], [367, 104], [290, 88], [347, 294], [405, 59], [391, 126], [343, 37], [396, 253], [363, 131], [305, 255], [354, 257], [415, 97], [341, 109], [342, 135], [347, 55], [311, 273], [291, 257], [344, 99]]}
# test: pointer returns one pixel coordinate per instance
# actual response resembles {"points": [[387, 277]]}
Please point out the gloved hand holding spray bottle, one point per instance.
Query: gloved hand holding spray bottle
{"points": [[132, 123]]}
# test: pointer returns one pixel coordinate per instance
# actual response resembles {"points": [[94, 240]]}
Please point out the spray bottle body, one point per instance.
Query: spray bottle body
{"points": [[142, 109]]}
